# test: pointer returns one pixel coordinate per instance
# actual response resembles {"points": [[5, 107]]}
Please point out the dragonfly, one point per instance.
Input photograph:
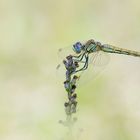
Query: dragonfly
{"points": [[91, 46], [83, 51]]}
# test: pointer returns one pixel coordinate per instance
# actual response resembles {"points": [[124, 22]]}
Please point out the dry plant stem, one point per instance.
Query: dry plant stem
{"points": [[71, 65], [70, 86]]}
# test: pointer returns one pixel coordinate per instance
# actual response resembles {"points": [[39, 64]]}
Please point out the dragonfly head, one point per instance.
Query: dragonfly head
{"points": [[77, 47]]}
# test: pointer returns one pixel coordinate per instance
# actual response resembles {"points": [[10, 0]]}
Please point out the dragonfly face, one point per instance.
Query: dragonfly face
{"points": [[77, 47]]}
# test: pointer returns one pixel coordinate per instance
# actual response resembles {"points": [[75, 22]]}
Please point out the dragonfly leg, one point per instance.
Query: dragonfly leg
{"points": [[86, 62], [85, 65], [81, 55], [77, 56]]}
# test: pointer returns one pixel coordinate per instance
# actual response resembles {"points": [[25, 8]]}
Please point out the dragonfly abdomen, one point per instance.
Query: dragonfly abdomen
{"points": [[133, 53], [112, 49]]}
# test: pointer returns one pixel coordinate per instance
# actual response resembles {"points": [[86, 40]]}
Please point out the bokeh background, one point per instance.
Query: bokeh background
{"points": [[32, 96]]}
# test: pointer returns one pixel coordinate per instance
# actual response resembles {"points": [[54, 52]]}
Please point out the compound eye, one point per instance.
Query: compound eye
{"points": [[77, 47]]}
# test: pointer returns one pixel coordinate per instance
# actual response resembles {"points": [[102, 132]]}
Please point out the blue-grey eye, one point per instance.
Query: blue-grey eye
{"points": [[77, 47]]}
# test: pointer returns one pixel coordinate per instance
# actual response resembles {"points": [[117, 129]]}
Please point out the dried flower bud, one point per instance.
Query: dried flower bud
{"points": [[68, 75], [66, 104], [74, 96], [73, 87], [72, 91], [66, 85], [75, 103], [66, 82], [68, 110], [73, 99], [69, 57], [73, 109], [74, 79], [64, 62], [76, 64], [73, 67], [70, 62], [70, 84]]}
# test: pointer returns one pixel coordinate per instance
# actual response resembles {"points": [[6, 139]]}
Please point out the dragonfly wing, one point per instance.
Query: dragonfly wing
{"points": [[97, 63], [60, 72], [99, 59], [63, 52]]}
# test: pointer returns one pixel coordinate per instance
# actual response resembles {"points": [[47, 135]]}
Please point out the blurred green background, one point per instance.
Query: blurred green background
{"points": [[32, 96]]}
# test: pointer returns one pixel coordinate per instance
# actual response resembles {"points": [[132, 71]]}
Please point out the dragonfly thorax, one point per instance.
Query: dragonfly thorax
{"points": [[93, 48]]}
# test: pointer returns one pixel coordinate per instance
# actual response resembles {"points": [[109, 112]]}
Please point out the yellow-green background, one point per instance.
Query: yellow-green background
{"points": [[32, 96]]}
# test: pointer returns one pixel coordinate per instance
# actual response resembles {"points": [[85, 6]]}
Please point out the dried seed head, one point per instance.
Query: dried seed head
{"points": [[73, 81], [70, 62], [66, 64], [72, 91], [66, 81], [64, 61], [74, 96], [69, 57], [66, 85], [75, 103], [76, 64], [73, 87], [66, 104], [73, 109], [73, 99], [70, 84], [75, 77], [68, 75]]}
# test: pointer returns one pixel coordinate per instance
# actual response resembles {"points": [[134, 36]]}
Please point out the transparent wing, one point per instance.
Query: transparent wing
{"points": [[97, 63], [99, 58], [63, 52], [60, 72]]}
